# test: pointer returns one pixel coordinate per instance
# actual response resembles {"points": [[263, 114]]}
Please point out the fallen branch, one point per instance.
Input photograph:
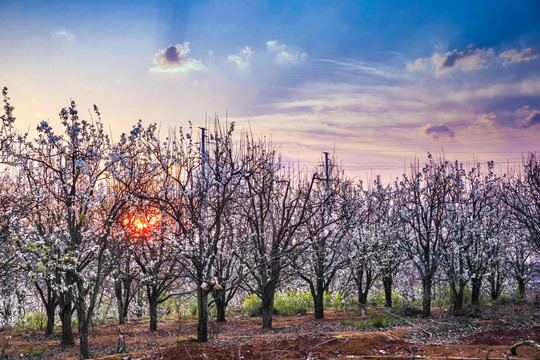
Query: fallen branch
{"points": [[407, 321], [530, 343], [187, 352]]}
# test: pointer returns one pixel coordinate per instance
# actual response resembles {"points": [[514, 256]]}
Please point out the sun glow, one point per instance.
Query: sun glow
{"points": [[141, 224]]}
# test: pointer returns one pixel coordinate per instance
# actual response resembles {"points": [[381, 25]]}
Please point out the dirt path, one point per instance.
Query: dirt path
{"points": [[302, 337]]}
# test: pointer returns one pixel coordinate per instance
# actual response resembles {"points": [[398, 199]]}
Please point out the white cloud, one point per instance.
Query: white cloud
{"points": [[242, 60], [485, 122], [418, 64], [469, 59], [532, 118], [465, 60], [274, 45], [283, 54], [513, 56], [64, 35], [174, 59]]}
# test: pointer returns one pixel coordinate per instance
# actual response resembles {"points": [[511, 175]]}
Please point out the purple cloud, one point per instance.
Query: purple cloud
{"points": [[466, 60], [471, 59], [172, 54], [514, 56], [436, 132], [531, 120]]}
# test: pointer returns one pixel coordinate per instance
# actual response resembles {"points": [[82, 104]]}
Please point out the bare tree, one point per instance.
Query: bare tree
{"points": [[275, 204], [154, 251], [423, 199], [39, 247], [77, 165], [486, 226], [522, 195], [522, 260], [11, 211], [385, 224], [7, 185], [7, 133], [198, 184], [324, 252], [362, 245], [133, 172]]}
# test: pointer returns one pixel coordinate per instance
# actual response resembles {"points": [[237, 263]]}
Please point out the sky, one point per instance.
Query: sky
{"points": [[378, 83]]}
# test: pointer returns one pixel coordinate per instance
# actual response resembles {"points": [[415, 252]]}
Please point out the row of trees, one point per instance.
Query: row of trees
{"points": [[83, 217]]}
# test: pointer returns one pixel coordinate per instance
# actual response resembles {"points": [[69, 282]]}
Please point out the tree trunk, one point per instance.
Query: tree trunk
{"points": [[362, 300], [267, 309], [318, 305], [65, 318], [119, 300], [495, 286], [153, 304], [84, 351], [318, 300], [50, 309], [220, 310], [476, 287], [521, 287], [457, 295], [426, 300], [460, 297], [363, 288], [202, 323], [83, 319], [387, 284], [139, 311], [220, 306]]}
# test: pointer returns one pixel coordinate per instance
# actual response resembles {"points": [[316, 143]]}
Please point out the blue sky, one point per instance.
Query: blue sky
{"points": [[378, 81]]}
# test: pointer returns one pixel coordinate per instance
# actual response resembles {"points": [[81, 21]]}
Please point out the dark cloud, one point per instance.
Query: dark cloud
{"points": [[435, 132], [471, 59], [440, 129], [174, 59], [172, 54], [467, 60], [452, 57]]}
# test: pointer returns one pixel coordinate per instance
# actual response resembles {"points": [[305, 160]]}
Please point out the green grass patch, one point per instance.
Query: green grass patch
{"points": [[31, 322], [38, 352], [375, 322], [184, 341], [288, 304]]}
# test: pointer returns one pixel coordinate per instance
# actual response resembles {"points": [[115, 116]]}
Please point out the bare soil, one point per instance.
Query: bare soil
{"points": [[488, 335]]}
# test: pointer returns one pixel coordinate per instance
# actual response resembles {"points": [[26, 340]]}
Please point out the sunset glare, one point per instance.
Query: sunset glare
{"points": [[140, 224]]}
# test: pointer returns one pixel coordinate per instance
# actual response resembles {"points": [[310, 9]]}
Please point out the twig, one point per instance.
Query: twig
{"points": [[399, 317], [187, 351], [407, 321], [316, 345], [530, 343]]}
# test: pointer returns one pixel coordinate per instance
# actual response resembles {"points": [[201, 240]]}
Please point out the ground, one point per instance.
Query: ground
{"points": [[485, 335]]}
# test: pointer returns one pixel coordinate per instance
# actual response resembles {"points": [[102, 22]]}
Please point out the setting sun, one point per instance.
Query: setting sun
{"points": [[141, 224]]}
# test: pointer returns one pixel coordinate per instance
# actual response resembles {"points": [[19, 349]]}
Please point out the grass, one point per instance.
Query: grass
{"points": [[32, 321], [377, 321], [184, 341], [293, 303]]}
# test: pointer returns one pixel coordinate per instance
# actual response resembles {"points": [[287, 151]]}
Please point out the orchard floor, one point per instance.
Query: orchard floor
{"points": [[488, 336]]}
